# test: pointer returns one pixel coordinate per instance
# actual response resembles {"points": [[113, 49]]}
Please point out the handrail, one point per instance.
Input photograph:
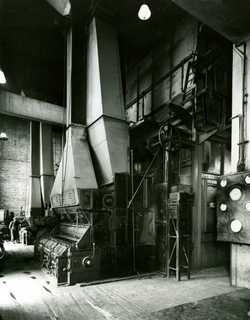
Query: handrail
{"points": [[159, 81]]}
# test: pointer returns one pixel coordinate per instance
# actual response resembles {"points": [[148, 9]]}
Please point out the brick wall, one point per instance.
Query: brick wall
{"points": [[14, 164], [15, 168]]}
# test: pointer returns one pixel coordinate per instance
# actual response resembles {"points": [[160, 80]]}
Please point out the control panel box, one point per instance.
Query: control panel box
{"points": [[233, 208]]}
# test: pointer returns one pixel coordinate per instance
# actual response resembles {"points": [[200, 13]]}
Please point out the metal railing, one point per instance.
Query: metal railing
{"points": [[139, 101]]}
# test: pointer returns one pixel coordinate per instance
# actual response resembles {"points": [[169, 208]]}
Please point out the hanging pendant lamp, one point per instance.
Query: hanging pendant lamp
{"points": [[144, 12]]}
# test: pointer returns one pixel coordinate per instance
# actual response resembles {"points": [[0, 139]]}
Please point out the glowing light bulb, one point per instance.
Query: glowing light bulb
{"points": [[144, 12]]}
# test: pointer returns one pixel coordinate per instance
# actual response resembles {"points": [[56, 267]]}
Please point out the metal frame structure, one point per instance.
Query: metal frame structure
{"points": [[178, 259]]}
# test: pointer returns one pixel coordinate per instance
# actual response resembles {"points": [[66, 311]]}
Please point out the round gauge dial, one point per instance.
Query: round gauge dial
{"points": [[236, 226], [235, 194], [223, 183], [223, 207]]}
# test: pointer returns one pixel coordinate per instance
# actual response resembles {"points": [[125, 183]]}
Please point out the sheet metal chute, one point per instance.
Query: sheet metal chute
{"points": [[107, 127], [75, 177]]}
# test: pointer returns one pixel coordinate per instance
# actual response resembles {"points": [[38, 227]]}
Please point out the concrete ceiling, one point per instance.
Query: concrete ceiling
{"points": [[228, 17]]}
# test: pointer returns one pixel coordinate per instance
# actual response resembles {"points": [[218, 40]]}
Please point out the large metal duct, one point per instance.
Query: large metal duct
{"points": [[107, 128]]}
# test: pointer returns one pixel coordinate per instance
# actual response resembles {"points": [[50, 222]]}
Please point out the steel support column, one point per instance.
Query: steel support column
{"points": [[35, 188]]}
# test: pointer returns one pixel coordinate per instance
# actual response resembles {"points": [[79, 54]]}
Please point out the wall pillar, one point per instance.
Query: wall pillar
{"points": [[46, 162], [240, 254], [35, 189]]}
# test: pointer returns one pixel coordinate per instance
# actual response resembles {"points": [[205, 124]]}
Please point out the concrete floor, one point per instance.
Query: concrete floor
{"points": [[28, 293], [230, 306]]}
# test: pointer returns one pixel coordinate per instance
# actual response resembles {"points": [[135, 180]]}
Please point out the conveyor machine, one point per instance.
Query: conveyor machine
{"points": [[91, 240], [68, 251]]}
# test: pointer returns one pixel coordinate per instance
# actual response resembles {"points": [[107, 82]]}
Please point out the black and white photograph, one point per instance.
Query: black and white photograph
{"points": [[124, 160]]}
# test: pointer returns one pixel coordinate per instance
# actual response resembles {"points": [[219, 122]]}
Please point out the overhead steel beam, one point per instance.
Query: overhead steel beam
{"points": [[61, 6], [23, 107]]}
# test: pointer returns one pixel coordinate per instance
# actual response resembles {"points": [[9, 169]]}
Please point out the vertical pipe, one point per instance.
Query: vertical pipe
{"points": [[178, 247], [242, 120], [170, 85], [236, 108], [143, 107], [138, 95], [222, 155], [166, 181], [69, 78], [132, 207], [153, 81], [68, 103], [182, 76]]}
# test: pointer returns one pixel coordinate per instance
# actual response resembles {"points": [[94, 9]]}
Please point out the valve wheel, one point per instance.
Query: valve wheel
{"points": [[162, 135], [87, 262]]}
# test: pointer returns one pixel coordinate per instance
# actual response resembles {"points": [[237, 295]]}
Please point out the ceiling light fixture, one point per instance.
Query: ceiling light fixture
{"points": [[144, 12], [2, 77]]}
